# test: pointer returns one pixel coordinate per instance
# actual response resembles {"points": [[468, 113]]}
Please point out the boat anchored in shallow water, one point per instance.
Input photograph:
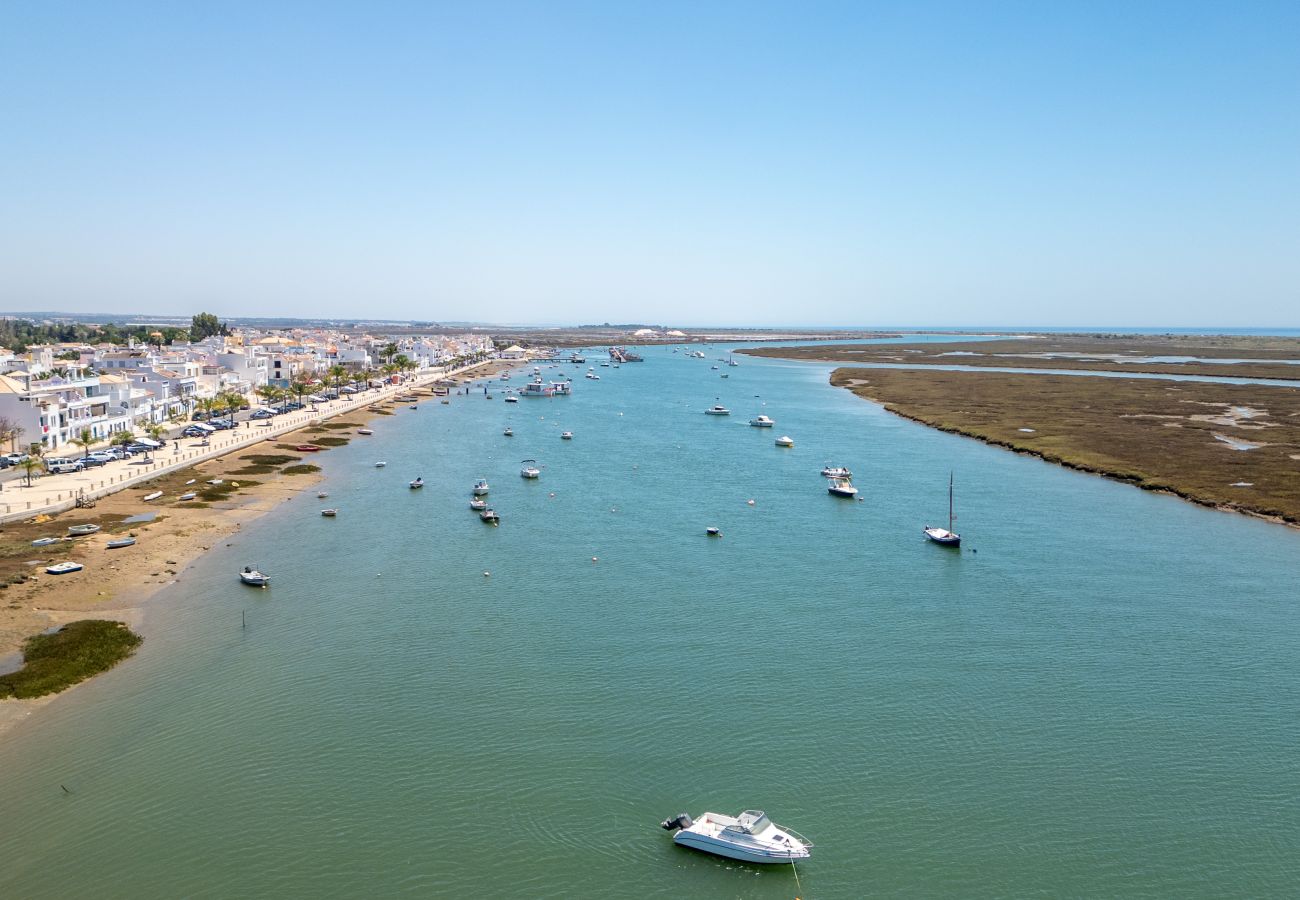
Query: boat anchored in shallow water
{"points": [[64, 568], [717, 410], [417, 484], [836, 472], [762, 422], [254, 577], [785, 441], [530, 469], [749, 837], [480, 487], [945, 536], [842, 487]]}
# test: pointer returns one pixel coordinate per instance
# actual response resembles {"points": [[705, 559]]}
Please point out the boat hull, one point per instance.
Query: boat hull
{"points": [[943, 537], [841, 492], [706, 844]]}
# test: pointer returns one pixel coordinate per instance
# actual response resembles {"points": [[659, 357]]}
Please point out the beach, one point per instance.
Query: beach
{"points": [[117, 584]]}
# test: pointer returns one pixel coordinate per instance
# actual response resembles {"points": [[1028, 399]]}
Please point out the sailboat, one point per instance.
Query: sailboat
{"points": [[945, 536]]}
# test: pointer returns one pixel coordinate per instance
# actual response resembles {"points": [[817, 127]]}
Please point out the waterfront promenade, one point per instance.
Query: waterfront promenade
{"points": [[51, 494]]}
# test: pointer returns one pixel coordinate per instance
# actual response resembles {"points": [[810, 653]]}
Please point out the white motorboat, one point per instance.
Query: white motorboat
{"points": [[380, 464], [480, 487], [785, 441], [749, 837], [593, 376], [154, 496], [364, 431], [187, 496], [717, 410], [842, 487], [45, 542], [530, 469], [329, 513], [64, 568], [417, 484], [566, 435], [836, 472], [509, 432], [713, 531], [120, 543], [945, 536], [490, 517], [478, 504], [511, 398], [82, 530], [254, 577], [322, 495], [762, 422]]}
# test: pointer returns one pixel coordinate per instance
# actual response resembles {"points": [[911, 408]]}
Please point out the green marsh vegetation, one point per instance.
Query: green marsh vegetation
{"points": [[78, 650]]}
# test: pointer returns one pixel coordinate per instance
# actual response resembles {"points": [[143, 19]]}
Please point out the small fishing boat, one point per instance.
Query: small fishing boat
{"points": [[190, 482], [717, 410], [307, 448], [380, 464], [120, 542], [842, 487], [254, 577], [154, 496], [215, 481], [322, 495], [477, 504], [785, 441], [530, 469], [329, 513], [509, 432], [63, 568], [45, 542], [945, 536], [749, 837], [82, 530], [490, 516], [445, 402], [762, 422], [511, 398], [566, 435], [480, 487], [187, 496], [711, 531], [417, 484], [836, 472], [364, 431], [413, 406]]}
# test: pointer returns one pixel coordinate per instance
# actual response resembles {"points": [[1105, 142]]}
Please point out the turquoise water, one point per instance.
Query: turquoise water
{"points": [[1100, 695]]}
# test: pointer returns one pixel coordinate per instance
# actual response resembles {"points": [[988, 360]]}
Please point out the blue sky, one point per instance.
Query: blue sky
{"points": [[685, 163]]}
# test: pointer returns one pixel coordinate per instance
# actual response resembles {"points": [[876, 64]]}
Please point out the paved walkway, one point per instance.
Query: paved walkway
{"points": [[55, 493]]}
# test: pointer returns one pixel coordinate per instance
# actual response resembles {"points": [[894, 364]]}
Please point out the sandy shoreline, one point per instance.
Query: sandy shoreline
{"points": [[117, 584]]}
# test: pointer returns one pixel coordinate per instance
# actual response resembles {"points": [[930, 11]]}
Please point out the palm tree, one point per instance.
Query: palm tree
{"points": [[269, 394], [85, 439], [337, 372], [206, 405], [157, 432], [29, 465], [122, 438], [233, 401]]}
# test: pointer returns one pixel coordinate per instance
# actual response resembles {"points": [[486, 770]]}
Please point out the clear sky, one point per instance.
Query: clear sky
{"points": [[677, 162]]}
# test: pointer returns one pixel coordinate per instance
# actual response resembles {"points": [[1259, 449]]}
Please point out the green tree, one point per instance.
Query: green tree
{"points": [[205, 325], [85, 439], [29, 465]]}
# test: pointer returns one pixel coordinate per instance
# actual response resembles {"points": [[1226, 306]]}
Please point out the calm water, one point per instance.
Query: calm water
{"points": [[1099, 696]]}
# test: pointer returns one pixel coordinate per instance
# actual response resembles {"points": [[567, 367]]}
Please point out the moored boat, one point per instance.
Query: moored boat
{"points": [[717, 409], [120, 542], [480, 487], [509, 432], [762, 422], [187, 496], [329, 513], [785, 441], [842, 487], [254, 577], [380, 464], [749, 837], [45, 542], [364, 431], [489, 516], [945, 536], [417, 483], [82, 530], [566, 435], [154, 496], [478, 504], [836, 472], [530, 469]]}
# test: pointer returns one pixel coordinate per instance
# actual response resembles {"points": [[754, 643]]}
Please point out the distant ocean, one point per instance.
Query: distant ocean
{"points": [[1262, 331]]}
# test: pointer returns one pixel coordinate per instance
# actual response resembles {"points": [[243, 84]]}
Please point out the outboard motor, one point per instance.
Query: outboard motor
{"points": [[682, 821]]}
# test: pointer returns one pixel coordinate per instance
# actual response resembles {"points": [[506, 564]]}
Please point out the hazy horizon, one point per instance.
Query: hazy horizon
{"points": [[938, 164]]}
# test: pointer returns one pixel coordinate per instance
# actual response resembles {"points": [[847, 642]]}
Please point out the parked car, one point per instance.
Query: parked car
{"points": [[59, 465], [17, 459], [92, 460], [140, 448], [263, 414], [348, 390]]}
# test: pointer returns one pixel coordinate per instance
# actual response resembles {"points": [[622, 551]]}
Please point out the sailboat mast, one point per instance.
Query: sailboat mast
{"points": [[950, 501]]}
